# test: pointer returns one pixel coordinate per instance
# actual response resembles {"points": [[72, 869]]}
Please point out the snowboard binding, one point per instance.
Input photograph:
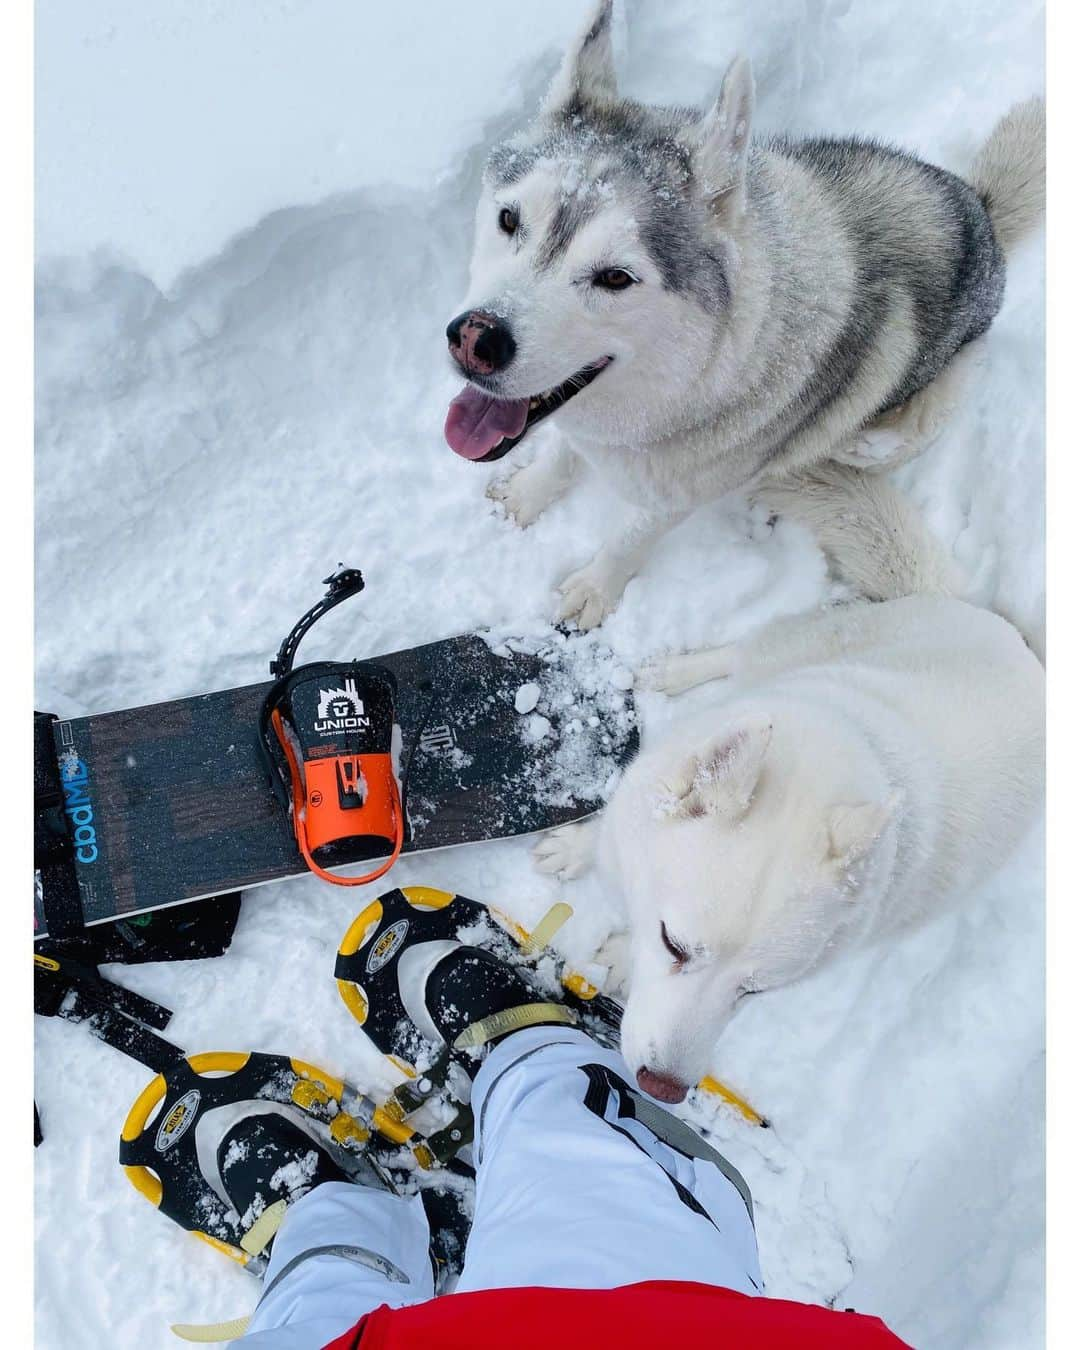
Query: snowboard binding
{"points": [[352, 1138], [327, 736]]}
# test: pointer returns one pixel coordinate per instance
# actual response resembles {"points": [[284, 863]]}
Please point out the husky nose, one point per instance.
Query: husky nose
{"points": [[661, 1086], [480, 343]]}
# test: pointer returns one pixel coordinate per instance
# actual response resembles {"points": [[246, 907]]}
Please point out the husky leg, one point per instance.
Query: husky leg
{"points": [[782, 644], [528, 492], [676, 673], [567, 852], [591, 593], [835, 632], [899, 435], [869, 531], [615, 954]]}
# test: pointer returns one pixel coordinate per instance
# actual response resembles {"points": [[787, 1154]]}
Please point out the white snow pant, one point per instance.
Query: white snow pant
{"points": [[582, 1183]]}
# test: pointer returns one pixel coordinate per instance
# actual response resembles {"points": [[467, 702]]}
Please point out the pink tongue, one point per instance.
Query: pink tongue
{"points": [[476, 422]]}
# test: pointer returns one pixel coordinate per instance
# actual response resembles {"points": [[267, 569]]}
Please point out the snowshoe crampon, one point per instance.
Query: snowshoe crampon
{"points": [[159, 1154]]}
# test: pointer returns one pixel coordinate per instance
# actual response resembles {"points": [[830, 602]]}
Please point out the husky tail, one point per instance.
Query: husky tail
{"points": [[1009, 172]]}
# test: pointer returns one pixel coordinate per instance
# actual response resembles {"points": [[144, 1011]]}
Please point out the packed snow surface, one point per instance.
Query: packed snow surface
{"points": [[254, 221]]}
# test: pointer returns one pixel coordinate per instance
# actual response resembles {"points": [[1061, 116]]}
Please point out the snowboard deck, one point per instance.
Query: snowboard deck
{"points": [[172, 802]]}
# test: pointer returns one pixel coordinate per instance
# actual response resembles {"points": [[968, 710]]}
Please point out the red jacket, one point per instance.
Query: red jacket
{"points": [[635, 1317]]}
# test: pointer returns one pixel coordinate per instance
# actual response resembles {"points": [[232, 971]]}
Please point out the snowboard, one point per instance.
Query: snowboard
{"points": [[171, 802]]}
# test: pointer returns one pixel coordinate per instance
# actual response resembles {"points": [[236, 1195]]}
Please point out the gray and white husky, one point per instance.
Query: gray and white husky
{"points": [[707, 312]]}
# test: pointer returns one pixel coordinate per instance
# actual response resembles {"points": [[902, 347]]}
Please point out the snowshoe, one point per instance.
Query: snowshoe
{"points": [[435, 978], [304, 1126], [285, 1127]]}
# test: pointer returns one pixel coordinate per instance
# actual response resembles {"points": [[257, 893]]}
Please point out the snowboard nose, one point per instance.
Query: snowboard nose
{"points": [[481, 343], [663, 1086]]}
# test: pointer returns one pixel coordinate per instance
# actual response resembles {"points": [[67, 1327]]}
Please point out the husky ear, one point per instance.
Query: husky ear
{"points": [[587, 74], [854, 829], [721, 140], [720, 781]]}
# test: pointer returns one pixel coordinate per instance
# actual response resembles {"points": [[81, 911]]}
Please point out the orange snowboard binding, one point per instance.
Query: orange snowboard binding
{"points": [[327, 734]]}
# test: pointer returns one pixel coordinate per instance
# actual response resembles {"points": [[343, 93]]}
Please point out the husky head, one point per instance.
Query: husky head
{"points": [[742, 865], [605, 256]]}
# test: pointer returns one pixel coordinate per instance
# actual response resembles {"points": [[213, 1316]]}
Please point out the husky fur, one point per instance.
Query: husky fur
{"points": [[791, 326], [862, 769]]}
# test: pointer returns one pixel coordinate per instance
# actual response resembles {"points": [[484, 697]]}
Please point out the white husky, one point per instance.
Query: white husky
{"points": [[864, 767], [704, 312]]}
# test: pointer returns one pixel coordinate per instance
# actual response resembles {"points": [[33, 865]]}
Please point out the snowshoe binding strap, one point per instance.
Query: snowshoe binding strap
{"points": [[714, 1087], [326, 734], [514, 1019], [545, 930], [212, 1334]]}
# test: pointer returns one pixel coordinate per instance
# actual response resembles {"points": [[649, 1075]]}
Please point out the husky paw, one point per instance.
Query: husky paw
{"points": [[876, 448], [615, 954], [685, 670], [588, 597], [565, 853], [522, 498]]}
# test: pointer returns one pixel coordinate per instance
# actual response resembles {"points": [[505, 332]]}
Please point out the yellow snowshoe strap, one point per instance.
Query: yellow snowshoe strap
{"points": [[721, 1090], [257, 1238], [255, 1241], [545, 930], [513, 1019], [212, 1333]]}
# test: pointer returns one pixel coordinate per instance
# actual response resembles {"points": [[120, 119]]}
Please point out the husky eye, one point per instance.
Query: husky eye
{"points": [[508, 220], [680, 954], [613, 279]]}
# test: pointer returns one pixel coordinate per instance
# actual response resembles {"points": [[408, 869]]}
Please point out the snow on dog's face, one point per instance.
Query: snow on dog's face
{"points": [[741, 868], [604, 259]]}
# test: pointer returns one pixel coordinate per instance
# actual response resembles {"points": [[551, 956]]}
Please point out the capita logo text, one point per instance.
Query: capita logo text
{"points": [[75, 780]]}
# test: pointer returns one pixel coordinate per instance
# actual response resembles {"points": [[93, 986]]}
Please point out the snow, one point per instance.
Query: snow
{"points": [[527, 697], [292, 1176], [250, 244]]}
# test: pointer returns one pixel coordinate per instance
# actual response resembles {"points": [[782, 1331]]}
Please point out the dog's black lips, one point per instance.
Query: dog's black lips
{"points": [[543, 405]]}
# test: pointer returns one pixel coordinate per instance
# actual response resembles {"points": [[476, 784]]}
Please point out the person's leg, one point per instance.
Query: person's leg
{"points": [[584, 1182], [342, 1251]]}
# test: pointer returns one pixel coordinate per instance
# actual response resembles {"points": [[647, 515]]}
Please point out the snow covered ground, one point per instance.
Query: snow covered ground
{"points": [[254, 221]]}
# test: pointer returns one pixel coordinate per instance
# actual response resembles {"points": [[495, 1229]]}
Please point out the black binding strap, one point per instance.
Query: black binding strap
{"points": [[60, 899], [53, 856], [342, 584], [122, 1033], [120, 1017]]}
